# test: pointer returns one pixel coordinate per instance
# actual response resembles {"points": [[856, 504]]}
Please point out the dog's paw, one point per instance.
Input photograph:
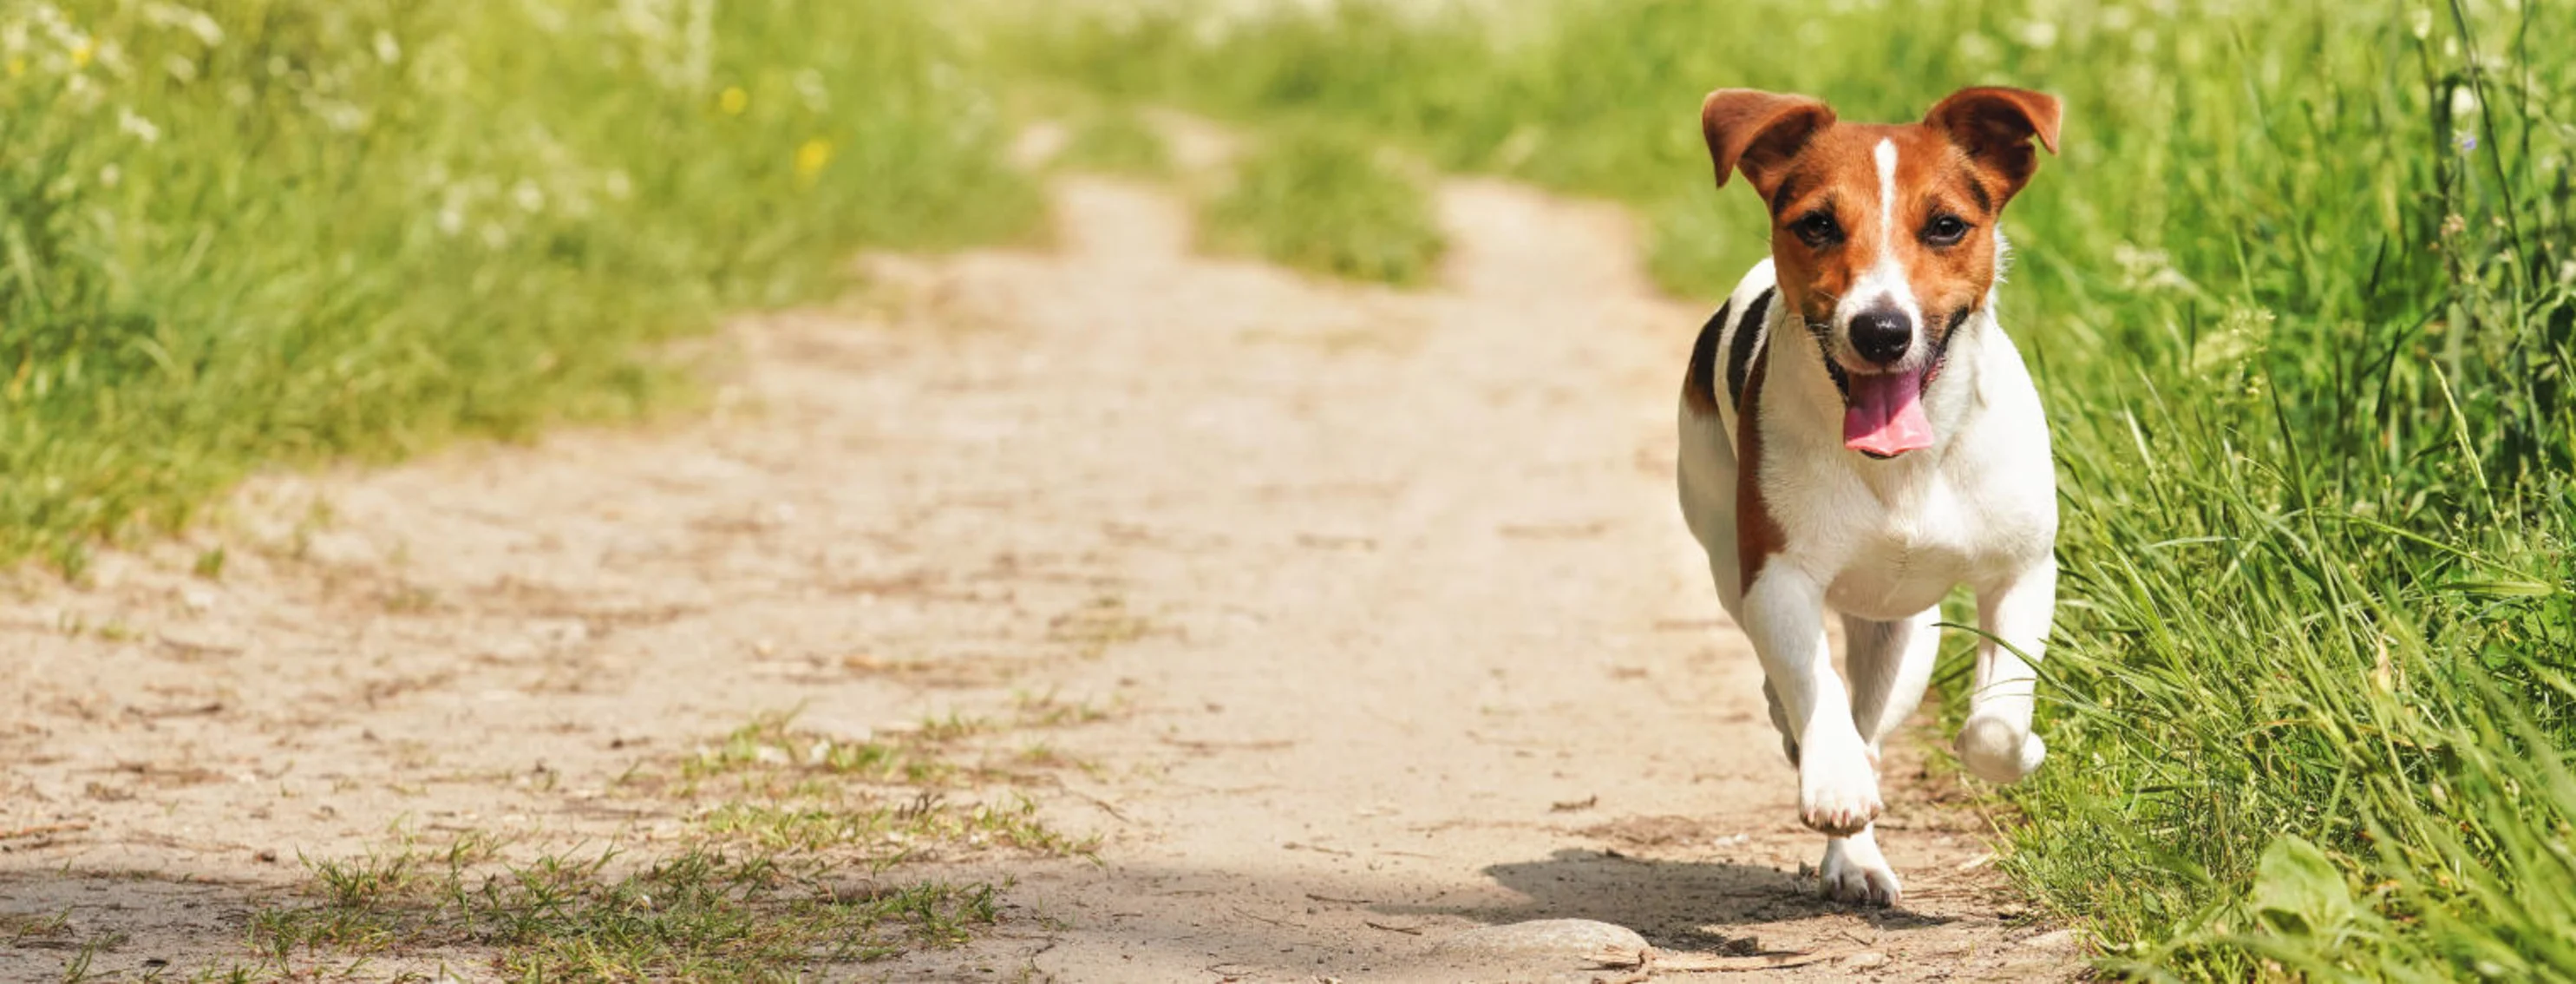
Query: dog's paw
{"points": [[1855, 873], [1997, 750], [1838, 793]]}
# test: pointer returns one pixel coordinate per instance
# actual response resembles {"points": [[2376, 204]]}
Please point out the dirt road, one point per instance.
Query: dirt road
{"points": [[1383, 595]]}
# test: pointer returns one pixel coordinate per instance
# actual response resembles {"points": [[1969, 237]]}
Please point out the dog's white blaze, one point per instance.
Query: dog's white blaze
{"points": [[1885, 156], [1885, 281]]}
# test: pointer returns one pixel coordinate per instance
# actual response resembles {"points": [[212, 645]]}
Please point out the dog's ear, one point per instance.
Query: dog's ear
{"points": [[1758, 132], [1996, 125]]}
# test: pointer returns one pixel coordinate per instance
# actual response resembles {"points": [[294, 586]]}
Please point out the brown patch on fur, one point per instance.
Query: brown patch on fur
{"points": [[1758, 534]]}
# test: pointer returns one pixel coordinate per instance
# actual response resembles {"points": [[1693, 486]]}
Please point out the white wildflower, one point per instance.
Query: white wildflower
{"points": [[1977, 49], [809, 86], [135, 125], [195, 22]]}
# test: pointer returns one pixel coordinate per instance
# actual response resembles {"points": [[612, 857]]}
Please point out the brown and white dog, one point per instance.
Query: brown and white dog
{"points": [[1858, 435]]}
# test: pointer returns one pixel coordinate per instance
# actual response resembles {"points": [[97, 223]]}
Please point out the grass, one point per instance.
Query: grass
{"points": [[699, 914], [285, 230], [1320, 200], [2300, 293], [799, 853], [1117, 141]]}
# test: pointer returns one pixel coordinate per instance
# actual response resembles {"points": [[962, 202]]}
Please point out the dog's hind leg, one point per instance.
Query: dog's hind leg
{"points": [[1780, 720], [1890, 664], [1996, 743]]}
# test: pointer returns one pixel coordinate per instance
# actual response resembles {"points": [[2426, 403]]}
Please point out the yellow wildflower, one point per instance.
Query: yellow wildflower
{"points": [[811, 157], [733, 101], [82, 53]]}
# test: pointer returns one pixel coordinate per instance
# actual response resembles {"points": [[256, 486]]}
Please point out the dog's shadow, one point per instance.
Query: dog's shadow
{"points": [[1679, 905]]}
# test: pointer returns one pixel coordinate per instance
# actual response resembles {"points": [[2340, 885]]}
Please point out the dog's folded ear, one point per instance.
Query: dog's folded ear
{"points": [[1758, 132], [1996, 125]]}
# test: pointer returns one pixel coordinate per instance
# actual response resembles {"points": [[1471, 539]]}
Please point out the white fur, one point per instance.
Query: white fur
{"points": [[1885, 280], [1881, 542]]}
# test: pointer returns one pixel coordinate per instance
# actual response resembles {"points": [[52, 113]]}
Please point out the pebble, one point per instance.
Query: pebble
{"points": [[1569, 938]]}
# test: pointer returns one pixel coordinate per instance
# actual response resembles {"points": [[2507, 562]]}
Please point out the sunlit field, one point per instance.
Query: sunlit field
{"points": [[2300, 289], [289, 229]]}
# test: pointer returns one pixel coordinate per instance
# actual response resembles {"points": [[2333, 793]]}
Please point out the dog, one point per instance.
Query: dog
{"points": [[1875, 311]]}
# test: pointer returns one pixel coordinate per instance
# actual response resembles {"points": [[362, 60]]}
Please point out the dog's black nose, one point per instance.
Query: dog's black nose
{"points": [[1882, 335]]}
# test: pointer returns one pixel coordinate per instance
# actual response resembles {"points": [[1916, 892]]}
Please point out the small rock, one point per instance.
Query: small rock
{"points": [[1569, 938], [1865, 960], [2063, 939]]}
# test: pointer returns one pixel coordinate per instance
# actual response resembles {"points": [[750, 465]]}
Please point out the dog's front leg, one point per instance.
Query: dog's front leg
{"points": [[1996, 744], [1784, 615]]}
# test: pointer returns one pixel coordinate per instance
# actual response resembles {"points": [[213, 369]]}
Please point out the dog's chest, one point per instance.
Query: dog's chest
{"points": [[1889, 549]]}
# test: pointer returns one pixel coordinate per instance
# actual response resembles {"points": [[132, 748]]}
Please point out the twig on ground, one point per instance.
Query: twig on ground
{"points": [[1651, 961], [43, 829]]}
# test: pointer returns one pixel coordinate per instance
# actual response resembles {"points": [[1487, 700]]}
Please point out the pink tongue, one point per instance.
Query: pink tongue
{"points": [[1886, 414]]}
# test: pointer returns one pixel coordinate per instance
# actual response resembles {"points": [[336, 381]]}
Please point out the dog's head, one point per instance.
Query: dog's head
{"points": [[1882, 236]]}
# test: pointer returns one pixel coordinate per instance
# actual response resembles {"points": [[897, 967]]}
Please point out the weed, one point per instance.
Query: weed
{"points": [[209, 564], [700, 914], [756, 888]]}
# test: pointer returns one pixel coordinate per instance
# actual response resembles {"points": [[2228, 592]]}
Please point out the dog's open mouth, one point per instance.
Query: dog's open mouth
{"points": [[1883, 413]]}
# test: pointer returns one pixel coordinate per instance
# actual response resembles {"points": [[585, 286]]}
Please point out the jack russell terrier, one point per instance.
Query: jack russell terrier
{"points": [[1876, 310]]}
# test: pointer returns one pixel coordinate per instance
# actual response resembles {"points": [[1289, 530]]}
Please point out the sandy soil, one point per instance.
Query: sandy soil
{"points": [[1386, 591]]}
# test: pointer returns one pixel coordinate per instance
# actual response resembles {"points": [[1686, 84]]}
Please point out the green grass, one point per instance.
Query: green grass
{"points": [[701, 913], [1117, 141], [800, 852], [1323, 201], [284, 230], [2302, 299]]}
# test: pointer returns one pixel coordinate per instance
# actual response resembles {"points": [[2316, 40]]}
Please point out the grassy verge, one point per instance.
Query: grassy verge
{"points": [[2302, 299], [799, 852], [1320, 200], [290, 229], [1119, 141]]}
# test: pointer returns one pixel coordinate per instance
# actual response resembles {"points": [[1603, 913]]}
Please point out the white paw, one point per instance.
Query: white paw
{"points": [[1854, 872], [1838, 790], [1997, 750]]}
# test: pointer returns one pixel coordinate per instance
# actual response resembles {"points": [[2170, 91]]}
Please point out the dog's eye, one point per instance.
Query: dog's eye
{"points": [[1817, 229], [1945, 230]]}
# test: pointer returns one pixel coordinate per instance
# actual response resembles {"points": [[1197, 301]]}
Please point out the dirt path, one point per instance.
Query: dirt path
{"points": [[1385, 593]]}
